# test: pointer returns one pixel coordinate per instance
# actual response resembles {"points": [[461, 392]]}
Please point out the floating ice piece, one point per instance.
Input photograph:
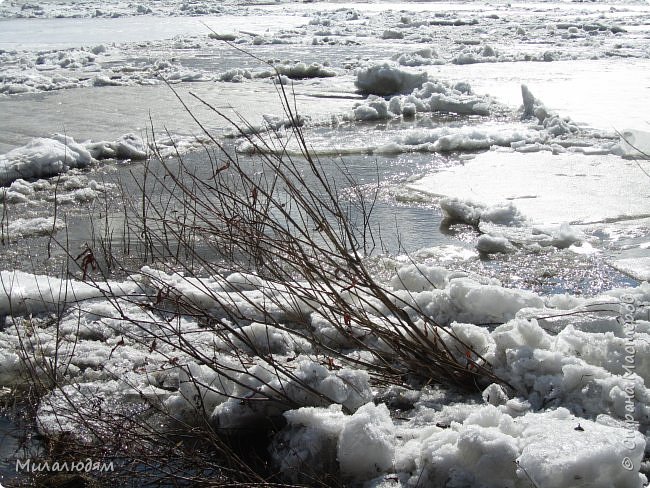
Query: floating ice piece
{"points": [[472, 213], [235, 75], [489, 244], [43, 157], [543, 186], [384, 79], [129, 146], [420, 57], [298, 71], [638, 268], [38, 226], [634, 144]]}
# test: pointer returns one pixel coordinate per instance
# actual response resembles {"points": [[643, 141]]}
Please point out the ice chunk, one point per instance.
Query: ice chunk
{"points": [[634, 144], [384, 79], [472, 213], [561, 450], [28, 293], [306, 447], [366, 444], [43, 157], [490, 244]]}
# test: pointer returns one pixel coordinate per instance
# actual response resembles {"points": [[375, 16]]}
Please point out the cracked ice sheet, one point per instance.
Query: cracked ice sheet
{"points": [[548, 189]]}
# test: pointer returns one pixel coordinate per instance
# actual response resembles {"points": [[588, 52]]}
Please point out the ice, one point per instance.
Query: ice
{"points": [[420, 57], [558, 452], [635, 144], [638, 267], [563, 377], [129, 146], [347, 387], [38, 226], [299, 71], [307, 446], [43, 157], [562, 419], [472, 213], [420, 278], [493, 244], [22, 293], [366, 443], [384, 79], [543, 186]]}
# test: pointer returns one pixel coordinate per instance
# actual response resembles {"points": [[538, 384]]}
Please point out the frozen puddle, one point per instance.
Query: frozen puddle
{"points": [[547, 188]]}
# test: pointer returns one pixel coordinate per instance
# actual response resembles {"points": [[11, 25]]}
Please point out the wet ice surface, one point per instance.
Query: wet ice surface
{"points": [[100, 76]]}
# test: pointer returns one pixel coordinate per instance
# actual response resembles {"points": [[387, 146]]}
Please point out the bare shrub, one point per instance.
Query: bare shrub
{"points": [[277, 241]]}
